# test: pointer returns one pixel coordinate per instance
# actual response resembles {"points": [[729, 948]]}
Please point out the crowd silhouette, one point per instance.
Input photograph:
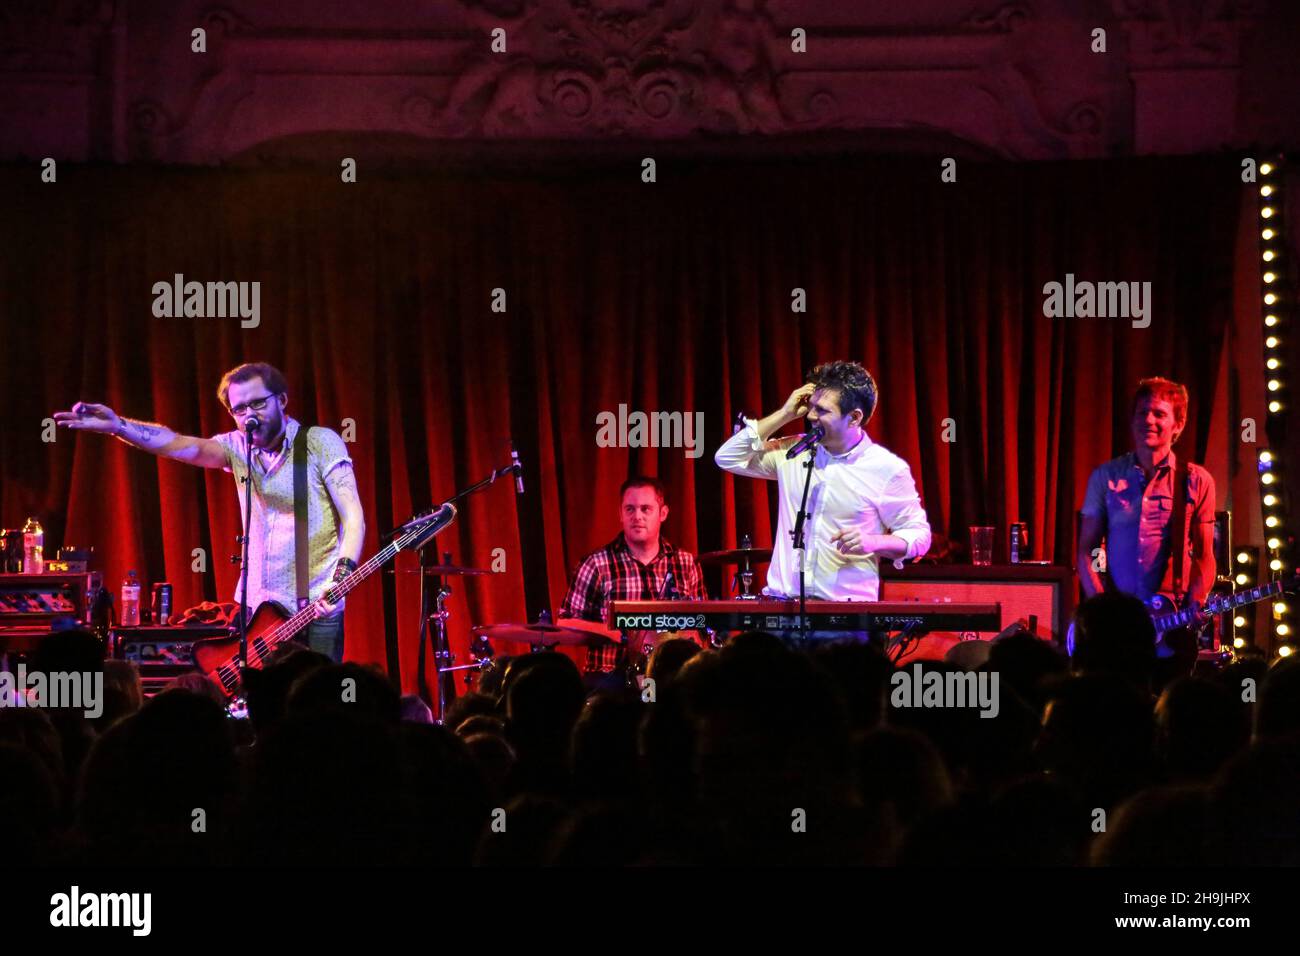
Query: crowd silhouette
{"points": [[757, 753]]}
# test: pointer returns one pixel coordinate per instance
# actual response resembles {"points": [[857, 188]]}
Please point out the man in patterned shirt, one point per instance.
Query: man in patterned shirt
{"points": [[336, 525], [634, 566], [1130, 503]]}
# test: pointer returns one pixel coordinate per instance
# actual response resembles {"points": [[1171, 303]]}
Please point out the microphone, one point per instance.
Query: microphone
{"points": [[252, 424], [810, 440], [517, 468], [738, 423]]}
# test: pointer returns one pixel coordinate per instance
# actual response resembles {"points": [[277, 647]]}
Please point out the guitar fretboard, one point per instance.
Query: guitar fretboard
{"points": [[1167, 622]]}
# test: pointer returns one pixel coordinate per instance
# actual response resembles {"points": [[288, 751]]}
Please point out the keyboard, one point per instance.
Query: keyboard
{"points": [[770, 615]]}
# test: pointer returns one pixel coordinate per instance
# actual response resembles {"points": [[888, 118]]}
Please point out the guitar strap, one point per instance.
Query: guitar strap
{"points": [[1178, 526], [300, 555]]}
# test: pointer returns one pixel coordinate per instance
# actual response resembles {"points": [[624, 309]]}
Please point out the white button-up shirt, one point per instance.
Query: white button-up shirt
{"points": [[868, 488]]}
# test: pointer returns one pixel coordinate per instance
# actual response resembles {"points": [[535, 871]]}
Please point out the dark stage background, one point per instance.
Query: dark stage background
{"points": [[672, 296]]}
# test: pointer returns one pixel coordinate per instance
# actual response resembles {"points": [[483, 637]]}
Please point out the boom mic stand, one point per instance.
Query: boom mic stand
{"points": [[437, 633]]}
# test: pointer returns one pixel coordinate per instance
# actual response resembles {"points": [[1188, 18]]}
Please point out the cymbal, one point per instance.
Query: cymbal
{"points": [[539, 633], [737, 556], [436, 570]]}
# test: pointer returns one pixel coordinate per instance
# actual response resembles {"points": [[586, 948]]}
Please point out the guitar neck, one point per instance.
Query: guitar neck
{"points": [[333, 593], [420, 530], [1167, 622]]}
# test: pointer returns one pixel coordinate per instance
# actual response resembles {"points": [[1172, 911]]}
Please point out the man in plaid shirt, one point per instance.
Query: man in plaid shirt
{"points": [[634, 566]]}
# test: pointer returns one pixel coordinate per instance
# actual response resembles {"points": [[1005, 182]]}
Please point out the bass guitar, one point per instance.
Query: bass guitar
{"points": [[271, 625]]}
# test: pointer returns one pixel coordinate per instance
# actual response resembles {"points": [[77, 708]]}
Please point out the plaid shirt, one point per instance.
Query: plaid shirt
{"points": [[613, 574]]}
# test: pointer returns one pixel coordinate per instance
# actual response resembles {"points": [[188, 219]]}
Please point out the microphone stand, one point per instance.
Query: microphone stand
{"points": [[799, 546], [249, 427], [437, 634]]}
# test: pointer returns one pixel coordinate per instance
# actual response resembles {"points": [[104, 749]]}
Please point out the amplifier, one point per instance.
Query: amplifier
{"points": [[160, 653], [30, 603], [1034, 593], [35, 599]]}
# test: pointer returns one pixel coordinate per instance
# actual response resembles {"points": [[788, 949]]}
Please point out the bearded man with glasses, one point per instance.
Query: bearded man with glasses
{"points": [[336, 525]]}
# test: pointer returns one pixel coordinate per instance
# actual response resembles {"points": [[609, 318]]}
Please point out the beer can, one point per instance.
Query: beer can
{"points": [[1019, 544], [162, 604]]}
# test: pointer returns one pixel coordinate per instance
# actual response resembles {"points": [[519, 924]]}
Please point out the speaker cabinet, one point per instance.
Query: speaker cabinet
{"points": [[1039, 595], [160, 653]]}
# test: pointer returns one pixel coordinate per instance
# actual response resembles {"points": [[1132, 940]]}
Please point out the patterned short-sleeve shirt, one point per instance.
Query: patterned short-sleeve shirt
{"points": [[1136, 514], [271, 566]]}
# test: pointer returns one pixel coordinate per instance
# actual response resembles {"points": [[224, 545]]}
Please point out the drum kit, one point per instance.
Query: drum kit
{"points": [[540, 635], [743, 559]]}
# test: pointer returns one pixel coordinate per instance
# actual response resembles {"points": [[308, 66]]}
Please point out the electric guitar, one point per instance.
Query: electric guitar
{"points": [[1167, 616], [271, 625]]}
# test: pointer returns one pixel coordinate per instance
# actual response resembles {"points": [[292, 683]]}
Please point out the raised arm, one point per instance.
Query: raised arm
{"points": [[745, 454], [147, 436]]}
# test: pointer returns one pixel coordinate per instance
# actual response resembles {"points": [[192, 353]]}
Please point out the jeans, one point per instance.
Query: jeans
{"points": [[325, 636]]}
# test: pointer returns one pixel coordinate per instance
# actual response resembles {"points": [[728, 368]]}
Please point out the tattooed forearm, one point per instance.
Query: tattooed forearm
{"points": [[145, 434], [161, 440]]}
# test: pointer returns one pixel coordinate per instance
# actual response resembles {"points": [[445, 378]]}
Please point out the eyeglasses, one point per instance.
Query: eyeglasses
{"points": [[256, 405]]}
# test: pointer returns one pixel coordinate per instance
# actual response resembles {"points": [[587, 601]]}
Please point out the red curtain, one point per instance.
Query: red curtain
{"points": [[377, 301]]}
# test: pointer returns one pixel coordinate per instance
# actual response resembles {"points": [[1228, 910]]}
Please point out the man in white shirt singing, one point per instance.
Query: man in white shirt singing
{"points": [[862, 503]]}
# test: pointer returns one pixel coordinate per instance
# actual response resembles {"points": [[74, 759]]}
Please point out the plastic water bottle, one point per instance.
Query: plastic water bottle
{"points": [[33, 547], [131, 601]]}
